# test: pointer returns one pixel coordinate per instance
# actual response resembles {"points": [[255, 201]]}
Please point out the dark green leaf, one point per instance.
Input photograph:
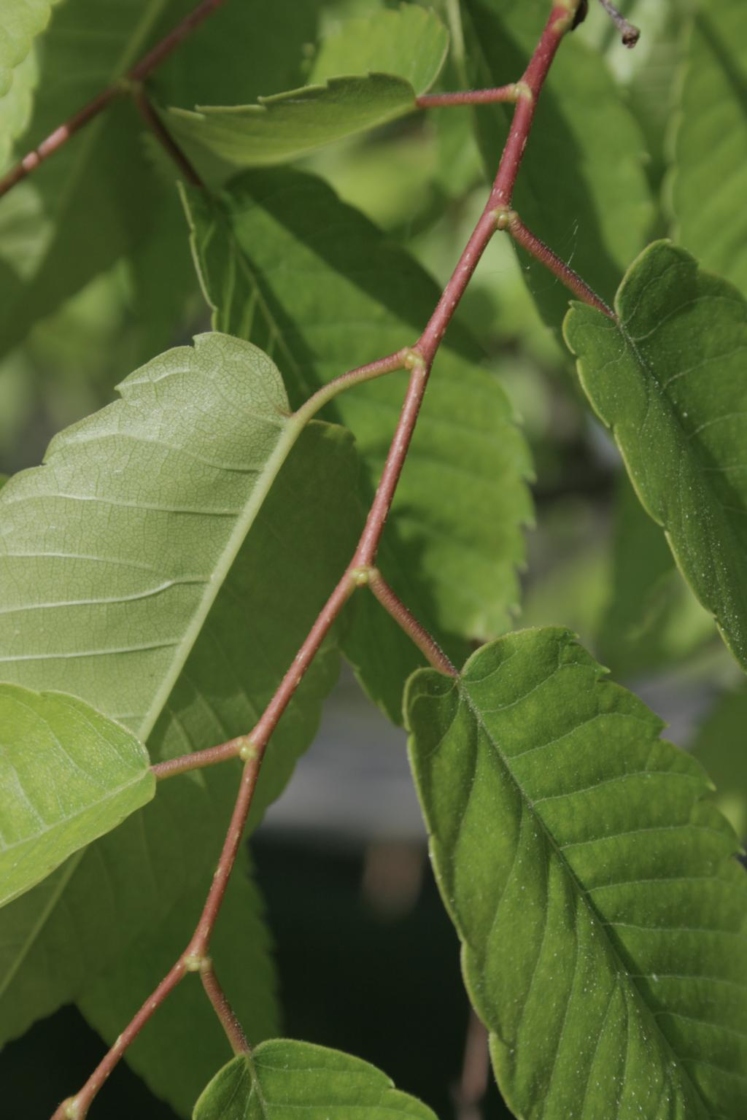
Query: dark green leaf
{"points": [[602, 914], [286, 264], [67, 776], [581, 187], [405, 50], [709, 182], [281, 1080], [668, 380]]}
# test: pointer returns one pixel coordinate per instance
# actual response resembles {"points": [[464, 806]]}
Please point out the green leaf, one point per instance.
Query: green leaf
{"points": [[185, 1045], [594, 209], [709, 173], [285, 263], [23, 20], [668, 380], [651, 618], [602, 915], [283, 1079], [97, 193], [184, 438], [67, 776], [721, 746], [16, 106], [405, 49]]}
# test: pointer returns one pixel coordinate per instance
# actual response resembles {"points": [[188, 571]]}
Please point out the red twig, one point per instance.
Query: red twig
{"points": [[361, 569], [138, 73], [425, 642], [468, 97], [164, 137], [511, 221], [223, 1009]]}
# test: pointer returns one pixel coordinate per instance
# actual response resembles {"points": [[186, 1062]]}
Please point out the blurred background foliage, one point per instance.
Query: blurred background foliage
{"points": [[380, 980]]}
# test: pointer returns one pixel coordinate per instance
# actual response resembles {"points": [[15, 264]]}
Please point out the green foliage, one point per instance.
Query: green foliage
{"points": [[651, 618], [342, 292], [601, 913], [195, 696], [172, 560], [707, 195], [23, 20], [67, 775], [668, 381], [407, 45], [284, 1079]]}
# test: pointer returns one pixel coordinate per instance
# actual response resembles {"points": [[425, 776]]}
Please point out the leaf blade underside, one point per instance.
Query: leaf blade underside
{"points": [[67, 776], [87, 913]]}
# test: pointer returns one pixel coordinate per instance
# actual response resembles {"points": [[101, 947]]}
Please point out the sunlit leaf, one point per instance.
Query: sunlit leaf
{"points": [[366, 75], [709, 169], [283, 1079], [161, 486], [67, 776], [23, 20], [668, 380], [602, 914]]}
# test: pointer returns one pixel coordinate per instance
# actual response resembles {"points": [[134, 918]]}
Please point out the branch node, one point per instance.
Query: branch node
{"points": [[413, 359], [248, 751], [196, 961], [504, 217], [523, 89], [363, 575]]}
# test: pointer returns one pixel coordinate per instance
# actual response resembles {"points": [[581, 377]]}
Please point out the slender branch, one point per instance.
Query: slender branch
{"points": [[360, 570], [76, 1108], [223, 1009], [124, 86], [347, 380], [473, 1083], [197, 759], [425, 642], [511, 221], [468, 97], [164, 137]]}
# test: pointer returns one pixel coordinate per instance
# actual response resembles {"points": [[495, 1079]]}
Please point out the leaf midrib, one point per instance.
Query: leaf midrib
{"points": [[623, 973]]}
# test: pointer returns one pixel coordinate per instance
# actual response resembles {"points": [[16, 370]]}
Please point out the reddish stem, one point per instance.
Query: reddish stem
{"points": [[76, 1108], [361, 568], [138, 73], [197, 759], [468, 97], [164, 137], [223, 1009], [555, 264], [425, 642]]}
